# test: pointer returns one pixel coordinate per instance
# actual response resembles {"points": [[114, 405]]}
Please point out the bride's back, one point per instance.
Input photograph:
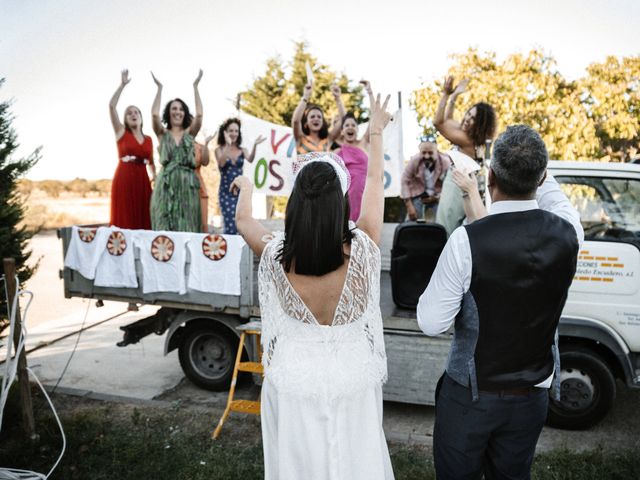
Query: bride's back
{"points": [[331, 286]]}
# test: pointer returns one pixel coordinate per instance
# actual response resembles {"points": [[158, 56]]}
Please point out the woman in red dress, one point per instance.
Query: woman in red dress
{"points": [[131, 188]]}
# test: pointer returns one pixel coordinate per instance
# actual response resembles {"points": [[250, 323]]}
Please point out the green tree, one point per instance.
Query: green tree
{"points": [[611, 96], [13, 237], [578, 120], [274, 95]]}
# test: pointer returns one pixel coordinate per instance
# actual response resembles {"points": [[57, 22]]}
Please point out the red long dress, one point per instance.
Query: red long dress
{"points": [[131, 188]]}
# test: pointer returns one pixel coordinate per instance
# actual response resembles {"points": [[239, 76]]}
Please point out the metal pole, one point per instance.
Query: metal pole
{"points": [[28, 422], [399, 100]]}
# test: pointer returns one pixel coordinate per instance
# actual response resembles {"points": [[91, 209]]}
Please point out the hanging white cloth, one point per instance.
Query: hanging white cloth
{"points": [[117, 266], [322, 392], [85, 249], [215, 263], [163, 258]]}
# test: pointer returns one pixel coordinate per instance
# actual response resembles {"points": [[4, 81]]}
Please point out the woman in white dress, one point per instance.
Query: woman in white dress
{"points": [[324, 356]]}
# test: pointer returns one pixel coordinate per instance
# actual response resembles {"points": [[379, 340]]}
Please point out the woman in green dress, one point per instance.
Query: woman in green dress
{"points": [[175, 203]]}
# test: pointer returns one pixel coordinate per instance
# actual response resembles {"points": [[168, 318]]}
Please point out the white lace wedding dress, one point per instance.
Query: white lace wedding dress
{"points": [[322, 391]]}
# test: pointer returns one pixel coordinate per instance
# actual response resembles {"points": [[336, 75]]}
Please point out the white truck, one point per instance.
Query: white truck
{"points": [[599, 329]]}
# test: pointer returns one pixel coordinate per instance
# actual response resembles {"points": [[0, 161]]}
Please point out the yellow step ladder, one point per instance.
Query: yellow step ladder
{"points": [[244, 406]]}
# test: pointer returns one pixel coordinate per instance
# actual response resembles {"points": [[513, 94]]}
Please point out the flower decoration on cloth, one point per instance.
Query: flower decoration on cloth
{"points": [[87, 234], [162, 248], [117, 244], [214, 247], [332, 159]]}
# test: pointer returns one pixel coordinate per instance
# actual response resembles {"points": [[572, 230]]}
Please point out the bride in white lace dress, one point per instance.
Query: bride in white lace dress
{"points": [[324, 356]]}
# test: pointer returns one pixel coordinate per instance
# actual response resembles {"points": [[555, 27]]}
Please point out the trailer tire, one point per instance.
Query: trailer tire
{"points": [[207, 356], [587, 391]]}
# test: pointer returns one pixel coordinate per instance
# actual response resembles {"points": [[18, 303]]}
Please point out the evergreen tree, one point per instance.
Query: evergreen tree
{"points": [[274, 95], [13, 236]]}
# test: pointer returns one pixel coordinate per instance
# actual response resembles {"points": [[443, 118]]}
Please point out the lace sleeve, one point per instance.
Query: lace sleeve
{"points": [[267, 294], [373, 326]]}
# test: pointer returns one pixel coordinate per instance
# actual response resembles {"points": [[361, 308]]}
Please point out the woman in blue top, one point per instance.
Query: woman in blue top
{"points": [[231, 156]]}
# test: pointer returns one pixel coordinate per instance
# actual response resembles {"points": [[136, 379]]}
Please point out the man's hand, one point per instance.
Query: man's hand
{"points": [[411, 211]]}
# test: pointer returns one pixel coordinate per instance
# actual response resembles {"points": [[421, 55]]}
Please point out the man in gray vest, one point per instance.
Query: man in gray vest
{"points": [[503, 281]]}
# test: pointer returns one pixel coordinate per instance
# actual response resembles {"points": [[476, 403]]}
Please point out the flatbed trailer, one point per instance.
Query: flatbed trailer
{"points": [[599, 329]]}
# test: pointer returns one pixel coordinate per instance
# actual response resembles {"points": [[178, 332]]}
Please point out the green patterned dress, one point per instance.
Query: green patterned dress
{"points": [[175, 202]]}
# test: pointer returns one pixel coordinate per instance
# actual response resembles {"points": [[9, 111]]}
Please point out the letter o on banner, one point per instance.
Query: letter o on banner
{"points": [[260, 173]]}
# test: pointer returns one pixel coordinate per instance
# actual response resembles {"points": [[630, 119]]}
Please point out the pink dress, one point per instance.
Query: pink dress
{"points": [[356, 161]]}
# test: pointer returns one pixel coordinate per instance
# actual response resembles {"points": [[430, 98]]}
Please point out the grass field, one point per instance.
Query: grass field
{"points": [[107, 441]]}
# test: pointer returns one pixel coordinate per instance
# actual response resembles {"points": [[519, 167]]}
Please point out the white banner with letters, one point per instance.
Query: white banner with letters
{"points": [[270, 171]]}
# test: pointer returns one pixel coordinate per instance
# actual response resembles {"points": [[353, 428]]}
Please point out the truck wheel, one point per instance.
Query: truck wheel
{"points": [[587, 391], [207, 356]]}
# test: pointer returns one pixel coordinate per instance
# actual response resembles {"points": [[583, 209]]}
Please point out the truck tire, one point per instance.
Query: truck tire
{"points": [[587, 391], [207, 356]]}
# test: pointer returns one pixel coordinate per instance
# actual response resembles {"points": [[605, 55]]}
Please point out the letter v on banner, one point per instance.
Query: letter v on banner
{"points": [[274, 145]]}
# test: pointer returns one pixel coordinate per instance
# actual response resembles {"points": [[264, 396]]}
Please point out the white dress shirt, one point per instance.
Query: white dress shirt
{"points": [[440, 302]]}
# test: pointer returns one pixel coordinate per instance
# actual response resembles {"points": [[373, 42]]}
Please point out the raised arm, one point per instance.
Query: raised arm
{"points": [[118, 127], [367, 87], [155, 109], [197, 119], [444, 121], [459, 90], [251, 156], [296, 119], [251, 230], [204, 157], [371, 214], [474, 208], [337, 126]]}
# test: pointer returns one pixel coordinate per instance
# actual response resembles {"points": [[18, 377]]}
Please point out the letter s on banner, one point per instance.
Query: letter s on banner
{"points": [[276, 175]]}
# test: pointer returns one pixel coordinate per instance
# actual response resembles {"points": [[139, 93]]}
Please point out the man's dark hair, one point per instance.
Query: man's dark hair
{"points": [[324, 130], [484, 125], [186, 121], [519, 160], [316, 222], [223, 128]]}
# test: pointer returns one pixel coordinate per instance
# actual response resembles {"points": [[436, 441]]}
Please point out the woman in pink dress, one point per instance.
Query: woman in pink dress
{"points": [[354, 152]]}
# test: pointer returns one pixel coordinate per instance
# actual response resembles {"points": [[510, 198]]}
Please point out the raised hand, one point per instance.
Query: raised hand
{"points": [[379, 117], [335, 89], [367, 86], [447, 87], [198, 78], [465, 181], [461, 87], [307, 91], [124, 77], [259, 140], [157, 82], [239, 184]]}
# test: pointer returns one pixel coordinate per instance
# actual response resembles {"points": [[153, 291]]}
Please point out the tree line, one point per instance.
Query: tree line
{"points": [[595, 117]]}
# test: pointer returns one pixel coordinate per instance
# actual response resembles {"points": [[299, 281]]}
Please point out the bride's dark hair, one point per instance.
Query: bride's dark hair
{"points": [[316, 222]]}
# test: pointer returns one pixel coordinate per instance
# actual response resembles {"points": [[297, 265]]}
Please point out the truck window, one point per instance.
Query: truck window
{"points": [[609, 207]]}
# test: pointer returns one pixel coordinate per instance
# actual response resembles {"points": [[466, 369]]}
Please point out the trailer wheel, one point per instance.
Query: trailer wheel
{"points": [[207, 356], [587, 391]]}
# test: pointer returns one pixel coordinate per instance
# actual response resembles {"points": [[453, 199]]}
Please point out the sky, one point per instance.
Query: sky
{"points": [[62, 58]]}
